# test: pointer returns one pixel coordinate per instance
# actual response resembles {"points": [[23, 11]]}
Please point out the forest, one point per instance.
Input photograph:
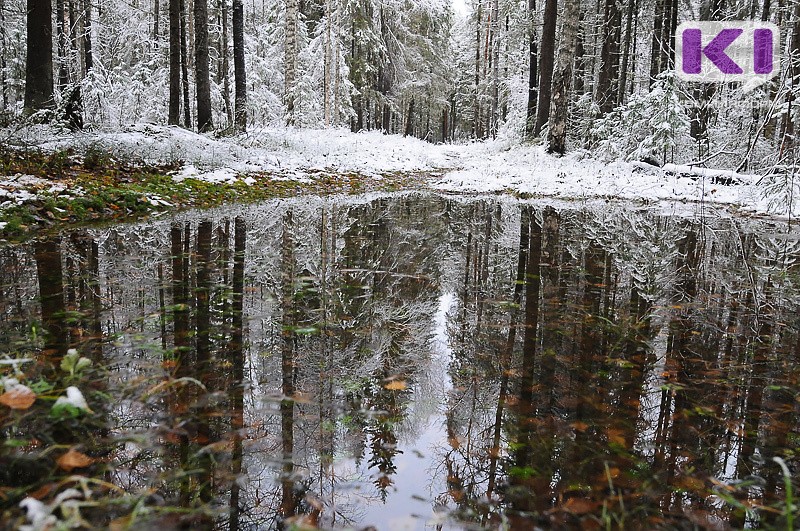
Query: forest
{"points": [[594, 76], [396, 265]]}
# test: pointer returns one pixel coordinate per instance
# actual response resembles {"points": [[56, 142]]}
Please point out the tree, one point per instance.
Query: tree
{"points": [[626, 53], [557, 132], [223, 64], [187, 110], [546, 59], [201, 66], [88, 58], [61, 38], [665, 22], [174, 61], [239, 71], [290, 59], [39, 65], [533, 77], [609, 57]]}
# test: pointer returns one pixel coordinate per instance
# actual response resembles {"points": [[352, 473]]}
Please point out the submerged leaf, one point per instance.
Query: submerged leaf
{"points": [[396, 385], [74, 459]]}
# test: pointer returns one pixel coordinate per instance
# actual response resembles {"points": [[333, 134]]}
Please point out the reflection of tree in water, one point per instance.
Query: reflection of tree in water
{"points": [[606, 321], [601, 357]]}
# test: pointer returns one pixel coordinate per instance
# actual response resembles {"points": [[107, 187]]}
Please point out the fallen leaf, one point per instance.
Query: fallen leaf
{"points": [[43, 491], [74, 459], [580, 426], [579, 506], [616, 436], [396, 385], [20, 397]]}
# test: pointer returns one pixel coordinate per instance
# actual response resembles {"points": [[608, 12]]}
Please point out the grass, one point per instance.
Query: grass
{"points": [[99, 187]]}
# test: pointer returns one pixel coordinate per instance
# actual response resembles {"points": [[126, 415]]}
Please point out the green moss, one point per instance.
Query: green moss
{"points": [[115, 190]]}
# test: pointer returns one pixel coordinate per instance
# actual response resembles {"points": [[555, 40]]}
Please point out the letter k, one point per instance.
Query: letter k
{"points": [[715, 51]]}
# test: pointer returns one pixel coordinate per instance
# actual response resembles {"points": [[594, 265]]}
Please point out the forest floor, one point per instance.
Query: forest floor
{"points": [[48, 177]]}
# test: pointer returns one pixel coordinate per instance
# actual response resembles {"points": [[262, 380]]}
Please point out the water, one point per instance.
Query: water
{"points": [[408, 361]]}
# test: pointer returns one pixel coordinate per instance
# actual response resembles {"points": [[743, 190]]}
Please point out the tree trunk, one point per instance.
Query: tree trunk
{"points": [[547, 50], [88, 59], [290, 59], [156, 22], [655, 47], [476, 127], [61, 46], [326, 87], [239, 72], [3, 81], [187, 109], [557, 133], [787, 124], [410, 119], [662, 53], [623, 77], [495, 118], [578, 81], [609, 58], [201, 67], [174, 62], [39, 65], [224, 66]]}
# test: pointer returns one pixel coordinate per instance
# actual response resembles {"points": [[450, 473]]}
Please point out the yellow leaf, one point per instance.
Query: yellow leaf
{"points": [[74, 459], [19, 397]]}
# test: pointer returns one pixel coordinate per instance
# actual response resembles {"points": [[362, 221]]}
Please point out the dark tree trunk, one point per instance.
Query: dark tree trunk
{"points": [[557, 133], [662, 53], [174, 62], [533, 77], [546, 61], [239, 72], [47, 254], [61, 45], [201, 68], [156, 22], [187, 109], [765, 11], [39, 65], [655, 49], [3, 81], [609, 57], [477, 131], [787, 135], [623, 75], [410, 119], [236, 358], [88, 59], [223, 75]]}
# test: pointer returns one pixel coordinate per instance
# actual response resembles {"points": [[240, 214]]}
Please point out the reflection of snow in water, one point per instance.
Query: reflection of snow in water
{"points": [[410, 504]]}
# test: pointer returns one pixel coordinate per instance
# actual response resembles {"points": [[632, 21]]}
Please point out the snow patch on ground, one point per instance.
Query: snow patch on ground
{"points": [[479, 167]]}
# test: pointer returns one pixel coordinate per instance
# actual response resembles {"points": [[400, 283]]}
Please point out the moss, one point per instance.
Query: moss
{"points": [[111, 189]]}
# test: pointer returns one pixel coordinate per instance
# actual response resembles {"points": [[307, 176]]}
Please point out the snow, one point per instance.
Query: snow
{"points": [[74, 398], [40, 515], [478, 167]]}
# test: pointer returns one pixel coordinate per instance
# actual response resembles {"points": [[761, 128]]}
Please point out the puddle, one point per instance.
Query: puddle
{"points": [[409, 361]]}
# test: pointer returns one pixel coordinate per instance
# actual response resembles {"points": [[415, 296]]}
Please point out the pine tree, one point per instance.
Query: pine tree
{"points": [[201, 64], [174, 62], [239, 70], [39, 66], [557, 132], [546, 60]]}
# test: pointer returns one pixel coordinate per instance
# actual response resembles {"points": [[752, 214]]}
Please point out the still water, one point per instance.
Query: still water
{"points": [[408, 361]]}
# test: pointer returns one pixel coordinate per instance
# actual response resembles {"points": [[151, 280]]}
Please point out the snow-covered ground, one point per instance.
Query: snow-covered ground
{"points": [[487, 167]]}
